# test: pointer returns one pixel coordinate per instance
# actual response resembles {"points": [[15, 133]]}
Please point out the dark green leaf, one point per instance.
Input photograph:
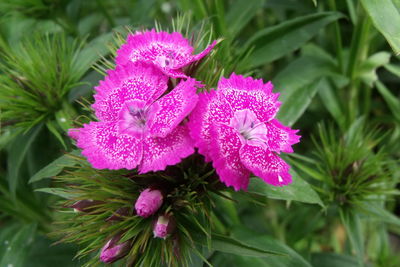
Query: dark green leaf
{"points": [[392, 101], [233, 246], [331, 101], [56, 191], [378, 212], [333, 260], [367, 70], [351, 222], [55, 167], [18, 246], [298, 84], [250, 238], [298, 190], [274, 42], [386, 18], [17, 152], [240, 13]]}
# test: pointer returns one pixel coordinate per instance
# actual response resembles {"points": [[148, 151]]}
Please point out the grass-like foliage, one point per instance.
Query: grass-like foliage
{"points": [[114, 193], [37, 76], [350, 169]]}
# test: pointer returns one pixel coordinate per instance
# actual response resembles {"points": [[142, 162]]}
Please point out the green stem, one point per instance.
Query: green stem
{"points": [[338, 38], [358, 53]]}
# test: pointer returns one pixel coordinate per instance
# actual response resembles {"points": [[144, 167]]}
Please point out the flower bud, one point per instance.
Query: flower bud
{"points": [[112, 251], [86, 205], [119, 214], [163, 227], [148, 202]]}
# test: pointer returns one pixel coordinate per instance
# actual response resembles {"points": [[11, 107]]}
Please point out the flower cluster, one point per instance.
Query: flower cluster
{"points": [[150, 117]]}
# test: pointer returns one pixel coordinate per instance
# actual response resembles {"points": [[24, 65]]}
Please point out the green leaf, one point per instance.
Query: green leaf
{"points": [[57, 192], [392, 101], [45, 254], [297, 84], [395, 69], [333, 260], [386, 18], [298, 190], [351, 222], [230, 245], [55, 167], [18, 246], [328, 95], [379, 213], [251, 238], [367, 70], [240, 13], [295, 105], [277, 41], [17, 153], [53, 129]]}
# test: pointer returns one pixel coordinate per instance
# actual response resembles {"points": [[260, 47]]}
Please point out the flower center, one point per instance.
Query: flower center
{"points": [[249, 127], [166, 61], [133, 118]]}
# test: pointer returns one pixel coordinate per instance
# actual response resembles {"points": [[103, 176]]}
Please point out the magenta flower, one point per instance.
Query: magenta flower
{"points": [[235, 128], [112, 251], [168, 51], [139, 126], [148, 202], [163, 227]]}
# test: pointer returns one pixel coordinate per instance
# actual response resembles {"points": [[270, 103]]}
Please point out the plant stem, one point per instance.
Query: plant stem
{"points": [[338, 38], [358, 52]]}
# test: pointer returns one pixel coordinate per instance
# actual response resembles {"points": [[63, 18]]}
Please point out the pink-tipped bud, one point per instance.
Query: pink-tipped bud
{"points": [[163, 227], [148, 202], [112, 251]]}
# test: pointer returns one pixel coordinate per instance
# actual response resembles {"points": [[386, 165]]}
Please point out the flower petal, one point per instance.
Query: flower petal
{"points": [[172, 108], [248, 93], [211, 108], [159, 152], [106, 149], [140, 81], [266, 165], [224, 151], [168, 51], [280, 137]]}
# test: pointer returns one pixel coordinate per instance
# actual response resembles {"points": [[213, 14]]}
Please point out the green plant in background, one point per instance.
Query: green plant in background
{"points": [[334, 62]]}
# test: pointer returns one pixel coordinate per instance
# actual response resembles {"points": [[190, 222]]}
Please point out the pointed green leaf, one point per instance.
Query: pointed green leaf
{"points": [[277, 41], [240, 13], [230, 245], [55, 167], [17, 153], [333, 260], [18, 246], [251, 238], [298, 190], [352, 224]]}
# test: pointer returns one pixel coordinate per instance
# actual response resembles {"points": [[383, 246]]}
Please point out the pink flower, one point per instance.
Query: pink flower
{"points": [[235, 128], [168, 51], [139, 126], [112, 251], [163, 227], [148, 202]]}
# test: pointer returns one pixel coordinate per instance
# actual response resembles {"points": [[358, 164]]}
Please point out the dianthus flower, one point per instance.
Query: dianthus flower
{"points": [[235, 128], [139, 126], [168, 51]]}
